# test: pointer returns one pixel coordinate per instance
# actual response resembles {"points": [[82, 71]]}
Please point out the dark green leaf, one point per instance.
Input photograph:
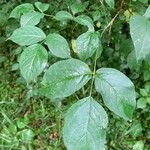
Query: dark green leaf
{"points": [[64, 78], [85, 126], [117, 91]]}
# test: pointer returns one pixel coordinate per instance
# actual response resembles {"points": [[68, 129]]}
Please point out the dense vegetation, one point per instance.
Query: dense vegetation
{"points": [[113, 34]]}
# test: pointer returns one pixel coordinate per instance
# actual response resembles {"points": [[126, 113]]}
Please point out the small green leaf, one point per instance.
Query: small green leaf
{"points": [[78, 7], [86, 21], [58, 45], [31, 19], [42, 7], [87, 44], [111, 3], [147, 13], [85, 126], [33, 61], [142, 103], [139, 145], [117, 91], [64, 78], [21, 9], [140, 33], [63, 16], [27, 35]]}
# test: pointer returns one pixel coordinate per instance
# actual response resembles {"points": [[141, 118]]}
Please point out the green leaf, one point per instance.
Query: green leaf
{"points": [[21, 9], [147, 13], [85, 126], [42, 7], [111, 3], [87, 44], [31, 19], [27, 35], [33, 61], [117, 91], [139, 145], [58, 45], [86, 21], [78, 7], [63, 16], [140, 33], [64, 78]]}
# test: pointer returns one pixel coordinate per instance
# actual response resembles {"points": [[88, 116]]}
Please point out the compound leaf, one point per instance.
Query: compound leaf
{"points": [[27, 35], [117, 91], [85, 126], [33, 61], [64, 78]]}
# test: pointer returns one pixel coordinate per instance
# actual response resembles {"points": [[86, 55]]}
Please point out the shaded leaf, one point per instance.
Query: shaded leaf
{"points": [[63, 16]]}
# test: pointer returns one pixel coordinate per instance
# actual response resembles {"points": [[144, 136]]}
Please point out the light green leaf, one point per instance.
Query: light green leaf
{"points": [[63, 16], [139, 145], [31, 19], [140, 33], [147, 13], [87, 44], [86, 21], [27, 35], [64, 78], [21, 9], [78, 7], [117, 91], [85, 126], [58, 45], [33, 61], [42, 7], [111, 3]]}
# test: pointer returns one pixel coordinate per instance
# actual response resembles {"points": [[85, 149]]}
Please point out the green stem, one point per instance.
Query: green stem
{"points": [[93, 77]]}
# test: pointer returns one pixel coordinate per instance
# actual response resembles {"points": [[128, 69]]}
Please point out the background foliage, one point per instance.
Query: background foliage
{"points": [[35, 123]]}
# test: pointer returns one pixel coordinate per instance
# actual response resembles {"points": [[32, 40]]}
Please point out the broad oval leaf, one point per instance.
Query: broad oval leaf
{"points": [[86, 21], [58, 45], [117, 91], [85, 126], [27, 35], [33, 61], [140, 33], [21, 9], [63, 16], [64, 78], [31, 19], [87, 44], [42, 7]]}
